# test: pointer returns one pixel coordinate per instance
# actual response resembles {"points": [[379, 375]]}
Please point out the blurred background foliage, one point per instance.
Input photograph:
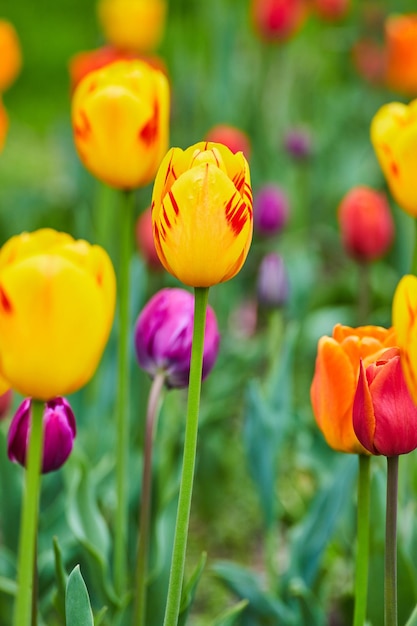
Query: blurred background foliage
{"points": [[273, 506]]}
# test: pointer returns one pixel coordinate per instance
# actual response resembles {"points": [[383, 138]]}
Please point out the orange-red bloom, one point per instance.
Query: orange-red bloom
{"points": [[366, 223], [336, 377], [4, 123], [384, 415], [234, 138], [401, 46], [145, 242], [278, 20], [10, 55], [331, 10]]}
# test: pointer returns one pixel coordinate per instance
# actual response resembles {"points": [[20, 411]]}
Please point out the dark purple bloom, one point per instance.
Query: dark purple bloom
{"points": [[272, 281], [59, 430], [164, 333], [297, 143], [270, 210]]}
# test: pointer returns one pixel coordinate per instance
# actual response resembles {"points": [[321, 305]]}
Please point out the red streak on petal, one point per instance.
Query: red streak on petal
{"points": [[5, 302], [149, 132], [174, 203], [236, 215], [167, 222], [83, 129], [394, 169]]}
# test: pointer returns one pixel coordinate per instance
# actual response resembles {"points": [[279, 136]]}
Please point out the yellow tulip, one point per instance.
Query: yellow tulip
{"points": [[404, 317], [202, 213], [394, 137], [10, 55], [120, 117], [57, 300], [133, 25]]}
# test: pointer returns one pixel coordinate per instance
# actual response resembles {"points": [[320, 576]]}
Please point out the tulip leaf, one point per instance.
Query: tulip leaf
{"points": [[77, 602], [61, 578], [229, 617], [412, 621], [8, 586], [189, 590]]}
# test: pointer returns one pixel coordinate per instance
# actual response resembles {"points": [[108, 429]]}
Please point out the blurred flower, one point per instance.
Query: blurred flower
{"points": [[57, 300], [336, 377], [278, 20], [120, 117], [164, 334], [369, 59], [297, 142], [5, 403], [270, 210], [394, 137], [272, 286], [366, 223], [404, 317], [202, 213], [135, 25], [401, 50], [243, 319], [87, 61], [384, 415], [10, 55], [59, 430], [144, 240], [234, 138], [331, 10], [4, 124]]}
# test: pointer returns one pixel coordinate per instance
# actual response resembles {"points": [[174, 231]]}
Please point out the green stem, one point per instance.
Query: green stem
{"points": [[364, 297], [146, 499], [391, 612], [122, 419], [414, 259], [29, 521], [187, 476], [362, 557]]}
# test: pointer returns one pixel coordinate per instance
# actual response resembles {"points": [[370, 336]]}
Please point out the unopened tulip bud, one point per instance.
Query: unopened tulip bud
{"points": [[234, 138], [272, 281], [164, 334], [278, 20], [271, 210], [331, 10], [297, 143], [59, 430]]}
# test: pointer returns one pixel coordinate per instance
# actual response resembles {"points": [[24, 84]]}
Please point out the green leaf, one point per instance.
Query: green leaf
{"points": [[189, 590], [7, 585], [228, 618], [61, 579], [412, 621], [77, 602]]}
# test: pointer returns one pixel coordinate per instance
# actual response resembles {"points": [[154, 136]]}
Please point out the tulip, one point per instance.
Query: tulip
{"points": [[369, 60], [202, 213], [336, 376], [394, 137], [5, 403], [384, 415], [4, 123], [10, 55], [164, 334], [404, 316], [272, 285], [401, 51], [133, 25], [278, 20], [145, 242], [331, 10], [234, 138], [366, 223], [297, 143], [270, 210], [59, 433], [120, 120], [57, 300]]}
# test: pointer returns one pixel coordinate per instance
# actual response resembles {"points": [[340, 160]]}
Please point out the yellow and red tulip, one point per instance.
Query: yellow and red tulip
{"points": [[404, 317], [120, 117], [384, 415], [202, 213], [57, 300], [10, 55], [336, 377], [134, 25], [394, 137]]}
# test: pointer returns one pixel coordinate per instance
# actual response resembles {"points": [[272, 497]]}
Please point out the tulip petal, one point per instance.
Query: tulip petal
{"points": [[404, 315], [363, 413]]}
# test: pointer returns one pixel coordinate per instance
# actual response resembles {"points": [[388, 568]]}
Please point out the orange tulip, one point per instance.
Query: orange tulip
{"points": [[401, 50], [120, 117], [336, 377], [10, 55]]}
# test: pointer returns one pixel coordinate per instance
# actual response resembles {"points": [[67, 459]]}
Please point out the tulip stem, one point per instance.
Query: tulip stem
{"points": [[190, 446], [123, 391], [29, 520], [145, 501], [390, 608], [362, 557]]}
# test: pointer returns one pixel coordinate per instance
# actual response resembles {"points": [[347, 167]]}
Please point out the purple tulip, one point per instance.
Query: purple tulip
{"points": [[59, 430], [297, 143], [271, 210], [272, 281], [164, 333]]}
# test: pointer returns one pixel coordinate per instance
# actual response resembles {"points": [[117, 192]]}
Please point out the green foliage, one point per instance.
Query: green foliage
{"points": [[77, 603]]}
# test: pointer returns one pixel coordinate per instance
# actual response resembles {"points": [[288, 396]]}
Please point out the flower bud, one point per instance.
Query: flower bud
{"points": [[234, 138], [331, 10], [10, 55], [271, 210], [278, 20], [272, 281], [59, 430], [145, 242], [366, 223], [297, 143], [164, 334]]}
